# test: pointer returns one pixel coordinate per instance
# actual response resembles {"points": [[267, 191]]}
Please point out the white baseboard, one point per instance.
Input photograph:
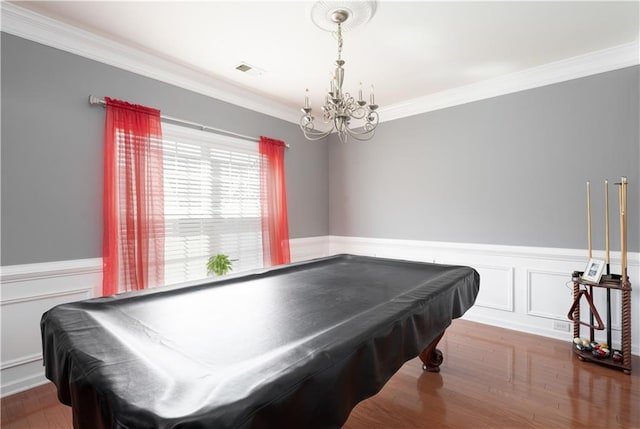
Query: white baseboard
{"points": [[521, 288], [35, 377], [27, 292]]}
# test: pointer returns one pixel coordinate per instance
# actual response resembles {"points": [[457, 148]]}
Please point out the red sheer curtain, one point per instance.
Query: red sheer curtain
{"points": [[273, 196], [133, 240]]}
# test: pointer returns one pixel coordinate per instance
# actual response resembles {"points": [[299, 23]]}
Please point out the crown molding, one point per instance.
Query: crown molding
{"points": [[30, 25], [592, 63], [39, 28]]}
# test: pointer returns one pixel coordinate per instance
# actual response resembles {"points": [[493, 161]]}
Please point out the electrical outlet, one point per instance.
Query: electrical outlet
{"points": [[561, 326]]}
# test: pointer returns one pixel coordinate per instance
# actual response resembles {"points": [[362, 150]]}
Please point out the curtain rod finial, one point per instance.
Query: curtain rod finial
{"points": [[95, 100]]}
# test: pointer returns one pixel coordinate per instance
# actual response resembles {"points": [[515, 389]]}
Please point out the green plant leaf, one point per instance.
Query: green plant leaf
{"points": [[219, 264]]}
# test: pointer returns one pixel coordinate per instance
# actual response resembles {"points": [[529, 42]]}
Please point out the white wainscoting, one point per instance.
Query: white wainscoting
{"points": [[27, 292], [527, 289], [521, 288], [30, 290]]}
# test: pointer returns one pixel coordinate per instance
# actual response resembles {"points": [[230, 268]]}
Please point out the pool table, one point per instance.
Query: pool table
{"points": [[295, 346]]}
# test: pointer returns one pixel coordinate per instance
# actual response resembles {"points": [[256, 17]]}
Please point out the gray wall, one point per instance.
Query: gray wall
{"points": [[509, 170], [52, 150]]}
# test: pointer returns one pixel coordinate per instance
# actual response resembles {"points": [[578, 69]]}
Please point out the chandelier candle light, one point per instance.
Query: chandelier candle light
{"points": [[340, 108]]}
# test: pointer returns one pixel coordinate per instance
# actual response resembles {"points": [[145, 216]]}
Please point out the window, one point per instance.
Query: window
{"points": [[212, 202]]}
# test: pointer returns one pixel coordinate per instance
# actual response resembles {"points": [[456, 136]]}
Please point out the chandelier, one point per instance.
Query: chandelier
{"points": [[346, 115]]}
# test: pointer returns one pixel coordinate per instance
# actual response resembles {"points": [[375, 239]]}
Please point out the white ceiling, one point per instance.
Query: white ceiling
{"points": [[408, 49]]}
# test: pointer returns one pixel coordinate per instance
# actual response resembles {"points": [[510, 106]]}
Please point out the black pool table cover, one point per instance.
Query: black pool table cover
{"points": [[296, 346]]}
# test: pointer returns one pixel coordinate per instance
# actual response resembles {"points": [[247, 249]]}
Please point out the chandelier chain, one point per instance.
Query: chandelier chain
{"points": [[339, 41], [340, 108]]}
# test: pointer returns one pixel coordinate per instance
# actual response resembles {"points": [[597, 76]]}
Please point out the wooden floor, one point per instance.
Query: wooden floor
{"points": [[491, 378]]}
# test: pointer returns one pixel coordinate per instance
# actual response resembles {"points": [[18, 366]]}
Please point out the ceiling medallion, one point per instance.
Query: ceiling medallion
{"points": [[348, 116]]}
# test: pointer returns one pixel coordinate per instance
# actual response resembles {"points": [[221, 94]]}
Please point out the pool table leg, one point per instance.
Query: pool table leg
{"points": [[431, 357]]}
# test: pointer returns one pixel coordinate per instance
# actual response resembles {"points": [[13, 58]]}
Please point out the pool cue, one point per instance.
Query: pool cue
{"points": [[591, 330], [607, 255], [621, 212], [623, 228], [589, 218], [607, 258]]}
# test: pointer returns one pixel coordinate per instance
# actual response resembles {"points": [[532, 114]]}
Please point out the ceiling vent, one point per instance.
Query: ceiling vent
{"points": [[249, 69]]}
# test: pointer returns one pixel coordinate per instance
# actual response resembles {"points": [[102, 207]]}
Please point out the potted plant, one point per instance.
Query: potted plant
{"points": [[219, 264]]}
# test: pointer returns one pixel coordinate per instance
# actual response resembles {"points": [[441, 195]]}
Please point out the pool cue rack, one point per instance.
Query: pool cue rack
{"points": [[611, 282]]}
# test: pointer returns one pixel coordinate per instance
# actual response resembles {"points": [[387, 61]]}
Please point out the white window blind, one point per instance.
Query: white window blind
{"points": [[212, 202]]}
